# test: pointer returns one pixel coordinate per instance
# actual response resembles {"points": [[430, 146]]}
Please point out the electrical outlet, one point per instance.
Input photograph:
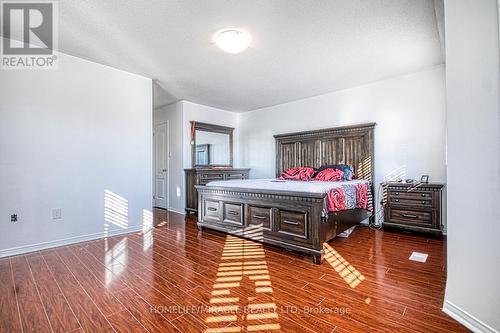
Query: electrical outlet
{"points": [[13, 218], [56, 213]]}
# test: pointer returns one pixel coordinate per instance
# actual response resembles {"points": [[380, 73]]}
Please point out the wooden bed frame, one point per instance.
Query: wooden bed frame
{"points": [[293, 220]]}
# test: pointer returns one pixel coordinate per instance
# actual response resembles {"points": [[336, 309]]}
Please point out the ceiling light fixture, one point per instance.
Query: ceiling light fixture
{"points": [[232, 40]]}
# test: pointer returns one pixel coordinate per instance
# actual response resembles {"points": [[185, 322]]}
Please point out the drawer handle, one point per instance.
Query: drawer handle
{"points": [[212, 209], [424, 195], [396, 193], [259, 217], [291, 222], [233, 212], [410, 216], [397, 200], [424, 202]]}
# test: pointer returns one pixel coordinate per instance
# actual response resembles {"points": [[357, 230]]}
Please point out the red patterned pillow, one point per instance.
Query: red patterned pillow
{"points": [[330, 175], [298, 173]]}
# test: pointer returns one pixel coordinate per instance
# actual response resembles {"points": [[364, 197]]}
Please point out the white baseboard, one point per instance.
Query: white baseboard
{"points": [[178, 211], [66, 241], [466, 319]]}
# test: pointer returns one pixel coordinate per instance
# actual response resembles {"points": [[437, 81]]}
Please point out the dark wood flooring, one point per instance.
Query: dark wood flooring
{"points": [[177, 279]]}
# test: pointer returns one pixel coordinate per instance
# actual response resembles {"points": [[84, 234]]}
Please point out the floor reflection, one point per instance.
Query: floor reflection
{"points": [[147, 229], [115, 259], [242, 262]]}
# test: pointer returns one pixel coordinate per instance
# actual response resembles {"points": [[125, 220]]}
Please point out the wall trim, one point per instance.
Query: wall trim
{"points": [[466, 319], [66, 241], [178, 211]]}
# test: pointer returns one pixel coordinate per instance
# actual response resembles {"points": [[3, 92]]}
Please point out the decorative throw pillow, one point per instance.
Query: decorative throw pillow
{"points": [[298, 173], [330, 175], [346, 169]]}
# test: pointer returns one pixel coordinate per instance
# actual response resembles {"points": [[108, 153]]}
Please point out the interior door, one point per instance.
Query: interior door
{"points": [[161, 166]]}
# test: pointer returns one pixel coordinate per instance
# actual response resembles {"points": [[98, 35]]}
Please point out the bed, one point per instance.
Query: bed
{"points": [[296, 215]]}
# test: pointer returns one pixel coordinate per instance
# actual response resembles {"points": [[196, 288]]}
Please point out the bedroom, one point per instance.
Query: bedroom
{"points": [[141, 157]]}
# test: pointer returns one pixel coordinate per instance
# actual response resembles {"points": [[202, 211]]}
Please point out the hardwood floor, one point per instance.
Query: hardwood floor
{"points": [[174, 278]]}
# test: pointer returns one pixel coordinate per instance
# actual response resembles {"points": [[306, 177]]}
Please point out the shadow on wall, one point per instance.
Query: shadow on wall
{"points": [[396, 174], [115, 211]]}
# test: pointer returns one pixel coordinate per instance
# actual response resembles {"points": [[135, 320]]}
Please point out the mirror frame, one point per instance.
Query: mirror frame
{"points": [[214, 129]]}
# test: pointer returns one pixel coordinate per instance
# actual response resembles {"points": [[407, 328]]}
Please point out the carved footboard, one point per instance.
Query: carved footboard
{"points": [[290, 220]]}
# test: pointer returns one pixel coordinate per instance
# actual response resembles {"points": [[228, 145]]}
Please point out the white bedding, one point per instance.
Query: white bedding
{"points": [[286, 185]]}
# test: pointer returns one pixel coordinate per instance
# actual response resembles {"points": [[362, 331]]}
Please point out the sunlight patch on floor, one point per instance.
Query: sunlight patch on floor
{"points": [[346, 271], [242, 261]]}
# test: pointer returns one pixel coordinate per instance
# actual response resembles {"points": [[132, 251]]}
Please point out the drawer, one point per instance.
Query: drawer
{"points": [[205, 178], [212, 210], [411, 217], [233, 213], [236, 176], [293, 224], [259, 216], [414, 195], [424, 202], [219, 176]]}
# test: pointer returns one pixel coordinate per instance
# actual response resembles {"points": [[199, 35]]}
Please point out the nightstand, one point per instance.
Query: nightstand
{"points": [[416, 206]]}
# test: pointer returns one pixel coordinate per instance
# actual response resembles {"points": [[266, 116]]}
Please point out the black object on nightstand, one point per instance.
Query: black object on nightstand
{"points": [[415, 206]]}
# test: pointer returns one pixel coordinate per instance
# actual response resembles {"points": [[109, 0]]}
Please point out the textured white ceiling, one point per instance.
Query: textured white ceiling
{"points": [[300, 48]]}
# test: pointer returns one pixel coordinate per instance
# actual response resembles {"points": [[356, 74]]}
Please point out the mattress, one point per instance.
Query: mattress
{"points": [[339, 195]]}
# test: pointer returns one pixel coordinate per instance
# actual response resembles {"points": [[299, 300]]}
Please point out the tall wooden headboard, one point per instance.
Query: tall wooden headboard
{"points": [[351, 145]]}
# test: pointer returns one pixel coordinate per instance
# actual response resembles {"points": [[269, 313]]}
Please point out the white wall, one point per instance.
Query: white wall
{"points": [[180, 115], [473, 117], [66, 136], [173, 113], [207, 114], [409, 111]]}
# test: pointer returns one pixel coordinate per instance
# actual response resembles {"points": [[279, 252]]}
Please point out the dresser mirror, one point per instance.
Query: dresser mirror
{"points": [[211, 145]]}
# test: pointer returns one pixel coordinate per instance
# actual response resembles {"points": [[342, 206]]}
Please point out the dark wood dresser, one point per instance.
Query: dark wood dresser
{"points": [[416, 206], [202, 176]]}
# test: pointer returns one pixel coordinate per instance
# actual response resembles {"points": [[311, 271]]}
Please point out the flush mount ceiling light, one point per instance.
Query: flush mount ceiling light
{"points": [[232, 40]]}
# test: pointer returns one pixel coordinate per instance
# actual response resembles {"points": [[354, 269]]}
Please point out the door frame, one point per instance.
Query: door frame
{"points": [[167, 156]]}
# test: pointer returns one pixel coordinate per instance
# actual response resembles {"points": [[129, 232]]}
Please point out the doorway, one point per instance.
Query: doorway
{"points": [[160, 142]]}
